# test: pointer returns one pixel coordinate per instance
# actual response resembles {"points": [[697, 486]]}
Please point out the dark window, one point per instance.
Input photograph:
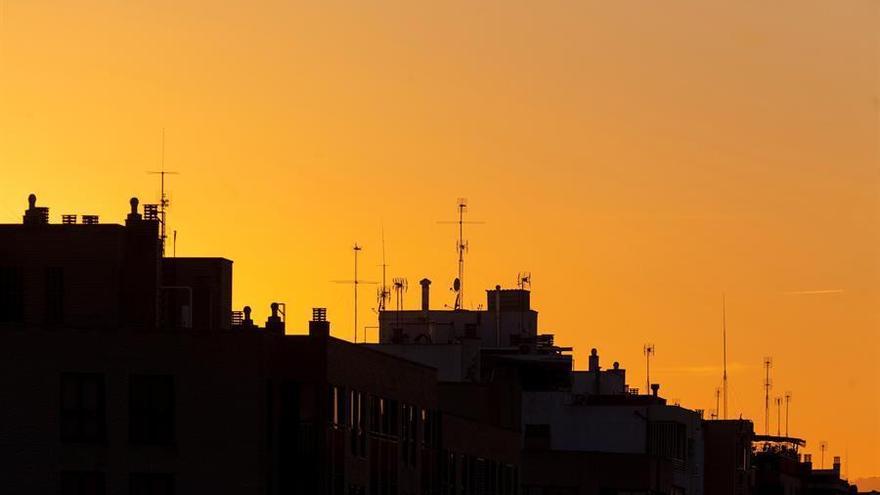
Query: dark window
{"points": [[11, 296], [54, 295], [358, 422], [668, 439], [82, 407], [81, 483], [151, 409], [151, 484]]}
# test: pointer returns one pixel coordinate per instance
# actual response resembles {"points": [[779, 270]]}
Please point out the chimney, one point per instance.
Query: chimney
{"points": [[35, 215], [275, 324], [836, 465], [426, 294], [247, 322], [808, 461], [134, 216], [319, 326], [594, 360], [655, 389]]}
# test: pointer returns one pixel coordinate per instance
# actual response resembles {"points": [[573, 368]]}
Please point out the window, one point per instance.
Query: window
{"points": [[668, 439], [409, 428], [151, 484], [358, 422], [430, 428], [151, 409], [337, 406], [54, 295], [81, 483], [82, 407], [11, 296]]}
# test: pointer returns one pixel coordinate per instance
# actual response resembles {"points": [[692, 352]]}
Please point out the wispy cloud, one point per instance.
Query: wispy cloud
{"points": [[813, 292]]}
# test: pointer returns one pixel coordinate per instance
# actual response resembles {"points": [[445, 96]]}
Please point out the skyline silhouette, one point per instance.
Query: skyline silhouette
{"points": [[639, 161]]}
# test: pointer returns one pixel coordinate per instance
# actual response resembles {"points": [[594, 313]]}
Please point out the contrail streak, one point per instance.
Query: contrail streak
{"points": [[813, 292]]}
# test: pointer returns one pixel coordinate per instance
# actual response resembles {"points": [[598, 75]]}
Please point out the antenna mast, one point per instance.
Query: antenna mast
{"points": [[356, 281], [356, 249], [768, 363], [384, 293], [649, 351], [461, 248], [163, 199], [724, 345]]}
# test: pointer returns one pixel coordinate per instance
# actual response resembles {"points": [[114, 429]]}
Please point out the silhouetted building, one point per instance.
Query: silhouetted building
{"points": [[584, 431], [125, 372], [728, 456], [781, 469]]}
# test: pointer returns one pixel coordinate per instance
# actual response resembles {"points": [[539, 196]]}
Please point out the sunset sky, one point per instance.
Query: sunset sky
{"points": [[639, 158]]}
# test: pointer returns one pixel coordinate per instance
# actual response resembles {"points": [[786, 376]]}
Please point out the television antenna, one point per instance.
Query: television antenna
{"points": [[164, 203], [383, 293], [768, 363], [724, 346], [524, 280], [649, 351], [823, 446], [355, 282], [461, 248]]}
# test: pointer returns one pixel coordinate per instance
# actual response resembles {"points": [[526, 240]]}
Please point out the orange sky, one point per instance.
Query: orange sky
{"points": [[639, 158]]}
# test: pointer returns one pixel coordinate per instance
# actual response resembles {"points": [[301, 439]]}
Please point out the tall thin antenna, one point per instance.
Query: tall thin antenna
{"points": [[787, 404], [355, 282], [461, 248], [648, 349], [724, 345], [384, 293], [768, 363], [823, 446], [163, 200]]}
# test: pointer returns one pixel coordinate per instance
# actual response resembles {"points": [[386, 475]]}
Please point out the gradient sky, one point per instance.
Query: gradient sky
{"points": [[640, 158]]}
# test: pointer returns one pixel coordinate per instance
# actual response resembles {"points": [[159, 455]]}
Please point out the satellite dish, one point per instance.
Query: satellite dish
{"points": [[456, 285]]}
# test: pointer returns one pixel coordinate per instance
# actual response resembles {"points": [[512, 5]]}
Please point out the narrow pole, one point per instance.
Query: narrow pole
{"points": [[461, 206], [724, 338], [768, 362], [356, 249]]}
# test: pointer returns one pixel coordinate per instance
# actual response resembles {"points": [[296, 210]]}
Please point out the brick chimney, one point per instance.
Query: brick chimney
{"points": [[319, 326]]}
